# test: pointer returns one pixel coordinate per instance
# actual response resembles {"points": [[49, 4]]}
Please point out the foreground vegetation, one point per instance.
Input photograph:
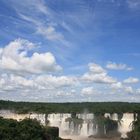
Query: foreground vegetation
{"points": [[26, 129], [93, 107]]}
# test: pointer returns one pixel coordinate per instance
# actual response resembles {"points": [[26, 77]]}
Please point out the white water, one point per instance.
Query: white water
{"points": [[68, 130], [126, 124]]}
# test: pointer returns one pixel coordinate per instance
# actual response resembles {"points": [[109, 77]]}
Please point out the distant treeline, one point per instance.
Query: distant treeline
{"points": [[91, 107]]}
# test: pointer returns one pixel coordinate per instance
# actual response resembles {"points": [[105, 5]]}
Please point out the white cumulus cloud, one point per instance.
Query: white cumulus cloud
{"points": [[98, 75], [88, 91], [117, 85], [115, 66], [129, 89], [131, 80], [95, 68], [49, 81], [14, 57], [41, 82]]}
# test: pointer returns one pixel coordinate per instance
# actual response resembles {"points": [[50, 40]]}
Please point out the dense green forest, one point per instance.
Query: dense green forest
{"points": [[92, 107], [26, 129]]}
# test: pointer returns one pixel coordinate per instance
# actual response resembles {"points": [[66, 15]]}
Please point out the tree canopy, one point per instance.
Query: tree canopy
{"points": [[92, 107]]}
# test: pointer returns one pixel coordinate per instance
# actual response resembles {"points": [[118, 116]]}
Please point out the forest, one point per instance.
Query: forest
{"points": [[88, 107]]}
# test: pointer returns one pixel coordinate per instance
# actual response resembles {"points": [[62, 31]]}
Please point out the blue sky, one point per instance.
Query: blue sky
{"points": [[70, 50]]}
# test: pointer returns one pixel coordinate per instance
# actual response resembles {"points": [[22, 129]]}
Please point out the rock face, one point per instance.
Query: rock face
{"points": [[106, 127], [52, 133]]}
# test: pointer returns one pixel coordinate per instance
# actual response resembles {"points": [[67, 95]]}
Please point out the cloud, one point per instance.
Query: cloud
{"points": [[49, 33], [26, 73], [47, 26], [131, 80], [11, 82], [42, 82], [117, 85], [121, 88], [98, 75], [115, 66], [62, 93], [138, 91], [98, 78], [129, 90], [23, 70], [40, 87], [48, 30], [38, 6], [95, 68], [88, 91], [51, 82], [14, 57]]}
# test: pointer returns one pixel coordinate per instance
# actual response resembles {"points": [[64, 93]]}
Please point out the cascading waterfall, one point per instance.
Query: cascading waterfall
{"points": [[11, 115], [91, 130], [126, 124], [58, 120], [39, 117], [69, 128], [114, 116], [84, 130]]}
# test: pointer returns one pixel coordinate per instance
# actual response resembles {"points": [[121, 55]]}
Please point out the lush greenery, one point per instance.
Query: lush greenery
{"points": [[93, 107], [26, 129]]}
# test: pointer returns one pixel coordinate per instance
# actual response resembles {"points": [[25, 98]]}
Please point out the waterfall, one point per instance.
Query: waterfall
{"points": [[90, 128], [126, 124], [39, 117], [107, 115], [114, 116], [54, 119], [12, 115], [68, 129], [84, 130]]}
